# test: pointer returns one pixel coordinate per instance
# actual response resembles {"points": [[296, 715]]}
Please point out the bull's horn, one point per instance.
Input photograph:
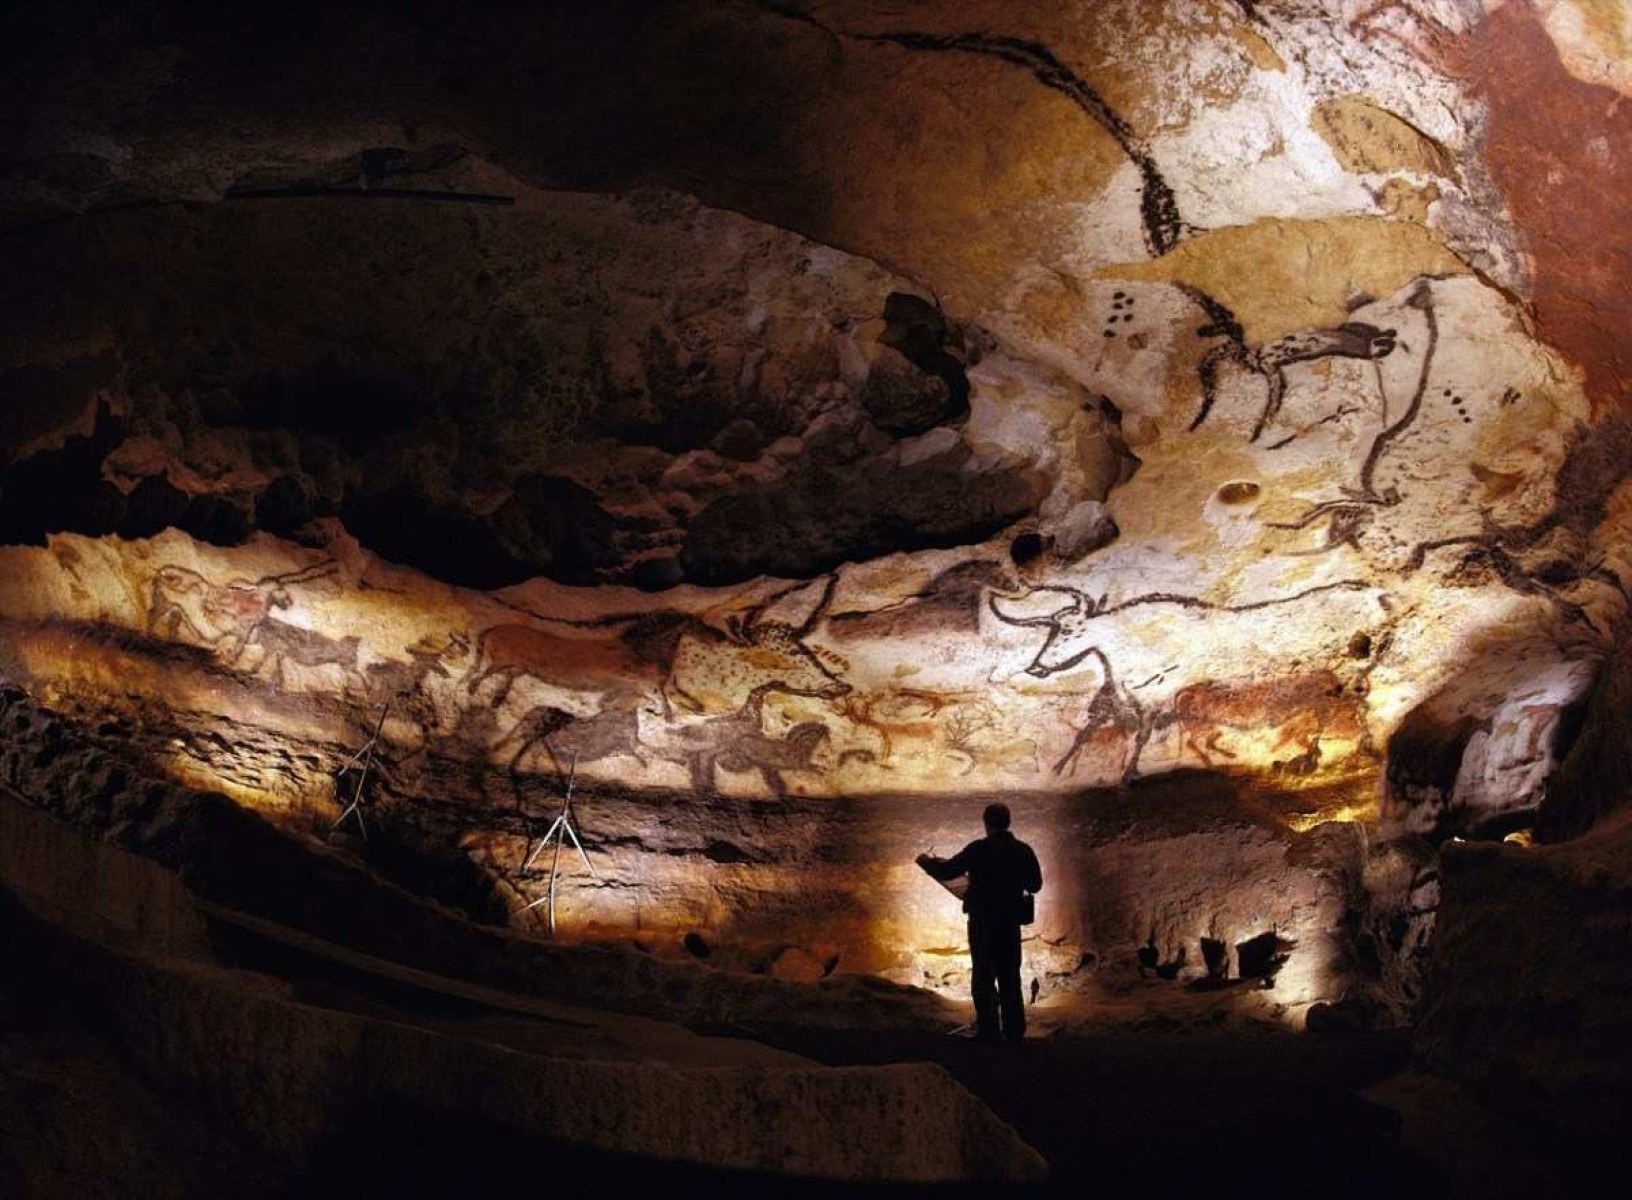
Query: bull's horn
{"points": [[316, 571], [1048, 619]]}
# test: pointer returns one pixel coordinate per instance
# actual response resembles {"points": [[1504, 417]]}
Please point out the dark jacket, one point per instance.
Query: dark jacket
{"points": [[1000, 868]]}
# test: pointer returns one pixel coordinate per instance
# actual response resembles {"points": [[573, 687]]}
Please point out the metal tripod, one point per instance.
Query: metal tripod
{"points": [[560, 829], [360, 762]]}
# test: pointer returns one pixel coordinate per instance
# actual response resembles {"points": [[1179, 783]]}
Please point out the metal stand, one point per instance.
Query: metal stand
{"points": [[360, 762], [560, 829]]}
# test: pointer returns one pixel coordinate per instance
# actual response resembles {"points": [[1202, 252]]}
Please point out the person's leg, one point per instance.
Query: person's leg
{"points": [[983, 979], [1006, 963]]}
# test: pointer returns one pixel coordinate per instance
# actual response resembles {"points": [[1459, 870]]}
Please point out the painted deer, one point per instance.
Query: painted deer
{"points": [[907, 712]]}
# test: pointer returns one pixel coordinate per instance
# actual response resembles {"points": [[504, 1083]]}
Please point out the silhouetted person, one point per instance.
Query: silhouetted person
{"points": [[1002, 870]]}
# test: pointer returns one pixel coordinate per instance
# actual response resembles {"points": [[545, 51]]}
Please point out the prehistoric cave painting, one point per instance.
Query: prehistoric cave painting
{"points": [[1414, 26], [1121, 311], [977, 733], [1201, 711], [948, 603], [1347, 518], [275, 645], [1301, 710], [738, 742], [1353, 339], [403, 684], [185, 605], [714, 671], [1115, 710], [1071, 633], [957, 723], [1158, 208], [568, 739], [1493, 553], [508, 652], [909, 713], [689, 664]]}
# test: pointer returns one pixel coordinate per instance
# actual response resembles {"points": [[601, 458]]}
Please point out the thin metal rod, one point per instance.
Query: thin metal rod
{"points": [[555, 869], [542, 842], [559, 831], [365, 756]]}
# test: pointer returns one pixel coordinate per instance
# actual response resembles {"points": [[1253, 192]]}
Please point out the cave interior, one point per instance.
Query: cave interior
{"points": [[519, 522]]}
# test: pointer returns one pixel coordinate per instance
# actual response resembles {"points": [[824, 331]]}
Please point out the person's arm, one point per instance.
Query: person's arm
{"points": [[1034, 872], [946, 868]]}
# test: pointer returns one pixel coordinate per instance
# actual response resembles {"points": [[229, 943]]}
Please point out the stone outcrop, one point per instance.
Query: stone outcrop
{"points": [[204, 1029], [1530, 968], [1202, 423]]}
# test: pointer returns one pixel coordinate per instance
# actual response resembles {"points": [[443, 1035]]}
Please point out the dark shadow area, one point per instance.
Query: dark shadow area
{"points": [[397, 1149], [1262, 1114]]}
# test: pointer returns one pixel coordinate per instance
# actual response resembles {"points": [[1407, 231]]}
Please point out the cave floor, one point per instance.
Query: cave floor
{"points": [[1249, 1111], [1180, 1104], [1165, 1112]]}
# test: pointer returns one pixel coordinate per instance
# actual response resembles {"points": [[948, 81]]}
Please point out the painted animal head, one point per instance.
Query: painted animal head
{"points": [[806, 737], [1070, 629]]}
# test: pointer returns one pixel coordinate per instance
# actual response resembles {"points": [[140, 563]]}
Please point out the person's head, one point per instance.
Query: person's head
{"points": [[996, 818]]}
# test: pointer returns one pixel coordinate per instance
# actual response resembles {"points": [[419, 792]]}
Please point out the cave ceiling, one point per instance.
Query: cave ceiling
{"points": [[775, 399]]}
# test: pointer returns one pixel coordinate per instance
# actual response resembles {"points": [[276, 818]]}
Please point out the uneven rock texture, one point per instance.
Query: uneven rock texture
{"points": [[796, 424], [1531, 971], [1252, 351], [78, 1121], [1595, 779], [1130, 895], [206, 1030]]}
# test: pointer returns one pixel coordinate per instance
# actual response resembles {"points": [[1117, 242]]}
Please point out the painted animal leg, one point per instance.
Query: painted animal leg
{"points": [[1130, 773], [1207, 371], [507, 680], [1216, 746], [702, 772], [1272, 404]]}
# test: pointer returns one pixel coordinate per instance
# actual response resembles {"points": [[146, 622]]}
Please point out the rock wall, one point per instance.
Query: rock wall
{"points": [[799, 893], [1530, 968], [291, 1074], [1160, 388]]}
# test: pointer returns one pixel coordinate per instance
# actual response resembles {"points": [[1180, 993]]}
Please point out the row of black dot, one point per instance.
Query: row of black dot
{"points": [[1456, 403], [1121, 310]]}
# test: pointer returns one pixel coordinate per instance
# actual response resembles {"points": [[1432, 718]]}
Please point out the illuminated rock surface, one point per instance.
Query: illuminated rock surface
{"points": [[1200, 424]]}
